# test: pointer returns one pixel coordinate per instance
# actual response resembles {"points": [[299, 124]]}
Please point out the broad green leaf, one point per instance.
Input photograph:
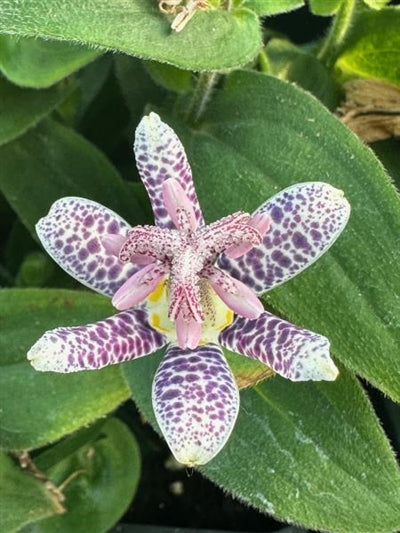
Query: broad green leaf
{"points": [[242, 156], [272, 7], [40, 407], [373, 46], [304, 476], [23, 498], [291, 63], [40, 63], [308, 453], [20, 109], [51, 161], [107, 472], [138, 28], [67, 446], [169, 77], [91, 80], [324, 7], [137, 87]]}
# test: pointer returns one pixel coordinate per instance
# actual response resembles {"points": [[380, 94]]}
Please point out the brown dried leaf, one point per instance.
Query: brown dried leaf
{"points": [[371, 109]]}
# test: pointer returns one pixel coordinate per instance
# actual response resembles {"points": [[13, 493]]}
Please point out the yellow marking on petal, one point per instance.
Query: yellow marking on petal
{"points": [[157, 293], [228, 320], [155, 322]]}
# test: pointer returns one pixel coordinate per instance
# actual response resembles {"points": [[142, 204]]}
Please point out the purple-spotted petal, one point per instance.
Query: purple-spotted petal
{"points": [[294, 353], [306, 219], [196, 402], [112, 243], [159, 156], [71, 233], [119, 338]]}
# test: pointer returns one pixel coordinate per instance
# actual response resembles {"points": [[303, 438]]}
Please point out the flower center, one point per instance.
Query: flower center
{"points": [[185, 257], [217, 315]]}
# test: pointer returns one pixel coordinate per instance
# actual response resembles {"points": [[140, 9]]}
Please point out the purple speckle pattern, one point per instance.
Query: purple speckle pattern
{"points": [[294, 353], [120, 338], [159, 156], [306, 219], [196, 402], [71, 233]]}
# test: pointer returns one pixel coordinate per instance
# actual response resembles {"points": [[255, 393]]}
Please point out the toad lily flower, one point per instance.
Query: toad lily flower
{"points": [[191, 287]]}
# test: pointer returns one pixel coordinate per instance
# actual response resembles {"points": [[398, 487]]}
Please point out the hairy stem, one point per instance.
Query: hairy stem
{"points": [[201, 95], [337, 33]]}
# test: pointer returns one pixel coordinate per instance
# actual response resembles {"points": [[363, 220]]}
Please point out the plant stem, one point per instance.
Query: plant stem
{"points": [[340, 26], [201, 95], [26, 462], [263, 61]]}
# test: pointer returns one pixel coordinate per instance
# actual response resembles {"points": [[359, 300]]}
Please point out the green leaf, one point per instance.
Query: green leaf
{"points": [[40, 407], [304, 476], [309, 453], [289, 62], [138, 28], [170, 77], [91, 80], [272, 7], [24, 499], [241, 157], [324, 7], [372, 47], [20, 109], [38, 63], [67, 446], [137, 86], [107, 472], [51, 161], [376, 4], [35, 271]]}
